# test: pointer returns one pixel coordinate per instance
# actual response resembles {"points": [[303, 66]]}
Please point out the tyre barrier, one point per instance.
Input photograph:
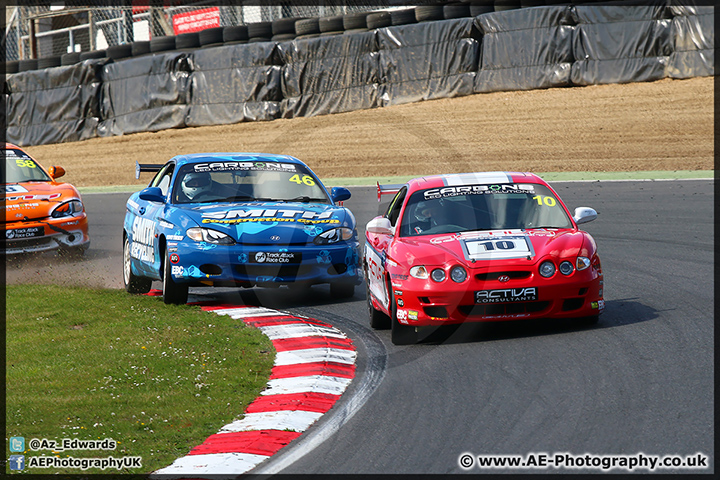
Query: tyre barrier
{"points": [[49, 62], [505, 5], [307, 26], [428, 13], [378, 20], [419, 61], [162, 44], [481, 8], [186, 41], [452, 11], [211, 36], [118, 52], [27, 65], [403, 17], [260, 30], [331, 24], [140, 48], [284, 26], [93, 54], [70, 58], [235, 34], [12, 66], [354, 21]]}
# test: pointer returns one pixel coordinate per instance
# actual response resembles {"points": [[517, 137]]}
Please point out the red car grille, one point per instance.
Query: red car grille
{"points": [[516, 275]]}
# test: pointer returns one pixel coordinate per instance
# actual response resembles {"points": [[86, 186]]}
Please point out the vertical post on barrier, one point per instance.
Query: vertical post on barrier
{"points": [[91, 29], [33, 40], [128, 25]]}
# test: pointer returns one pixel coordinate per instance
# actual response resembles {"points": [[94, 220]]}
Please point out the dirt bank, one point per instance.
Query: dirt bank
{"points": [[663, 125]]}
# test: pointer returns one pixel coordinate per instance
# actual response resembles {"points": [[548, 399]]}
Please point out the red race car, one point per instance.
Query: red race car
{"points": [[478, 247], [40, 212]]}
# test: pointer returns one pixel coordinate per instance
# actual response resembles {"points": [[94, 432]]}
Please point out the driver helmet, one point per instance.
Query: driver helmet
{"points": [[196, 183], [424, 211]]}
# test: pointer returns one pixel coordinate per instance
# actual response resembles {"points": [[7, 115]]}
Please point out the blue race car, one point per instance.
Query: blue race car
{"points": [[238, 220]]}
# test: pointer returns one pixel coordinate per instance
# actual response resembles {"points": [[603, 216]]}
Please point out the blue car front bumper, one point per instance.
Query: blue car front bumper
{"points": [[249, 265]]}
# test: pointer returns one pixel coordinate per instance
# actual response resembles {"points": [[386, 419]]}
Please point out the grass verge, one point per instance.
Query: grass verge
{"points": [[101, 364]]}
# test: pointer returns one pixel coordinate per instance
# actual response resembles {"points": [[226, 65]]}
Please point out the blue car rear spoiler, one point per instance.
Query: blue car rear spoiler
{"points": [[146, 167]]}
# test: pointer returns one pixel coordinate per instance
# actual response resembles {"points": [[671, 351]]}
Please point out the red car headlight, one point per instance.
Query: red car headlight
{"points": [[547, 269], [420, 272], [458, 274], [582, 263]]}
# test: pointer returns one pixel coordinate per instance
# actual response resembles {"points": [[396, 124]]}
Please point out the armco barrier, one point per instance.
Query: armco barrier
{"points": [[234, 83], [621, 44], [527, 48], [329, 74], [428, 60], [145, 94], [693, 52], [54, 105]]}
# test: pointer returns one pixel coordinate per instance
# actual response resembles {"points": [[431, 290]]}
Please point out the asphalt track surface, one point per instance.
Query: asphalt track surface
{"points": [[640, 381]]}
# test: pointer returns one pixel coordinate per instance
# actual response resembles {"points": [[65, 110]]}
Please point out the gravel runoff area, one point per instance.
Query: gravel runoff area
{"points": [[664, 125]]}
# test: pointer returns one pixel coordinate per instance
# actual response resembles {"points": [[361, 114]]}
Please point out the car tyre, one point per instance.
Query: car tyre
{"points": [[342, 290], [378, 320], [173, 293], [133, 283], [399, 334]]}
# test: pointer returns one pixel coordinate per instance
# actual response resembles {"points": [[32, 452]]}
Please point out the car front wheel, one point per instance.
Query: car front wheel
{"points": [[378, 320], [133, 283], [173, 293]]}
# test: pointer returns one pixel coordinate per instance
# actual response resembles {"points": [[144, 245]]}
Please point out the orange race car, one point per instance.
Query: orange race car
{"points": [[40, 212]]}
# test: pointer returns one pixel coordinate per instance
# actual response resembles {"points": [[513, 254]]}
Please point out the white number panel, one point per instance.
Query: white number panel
{"points": [[497, 248]]}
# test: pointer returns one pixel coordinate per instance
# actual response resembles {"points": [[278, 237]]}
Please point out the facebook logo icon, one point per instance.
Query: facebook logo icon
{"points": [[17, 462]]}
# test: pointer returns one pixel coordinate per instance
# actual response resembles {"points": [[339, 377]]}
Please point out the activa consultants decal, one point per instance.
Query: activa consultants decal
{"points": [[269, 215], [507, 295], [143, 232]]}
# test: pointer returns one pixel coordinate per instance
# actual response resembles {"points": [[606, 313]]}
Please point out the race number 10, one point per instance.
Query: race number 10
{"points": [[544, 199], [497, 245], [516, 246]]}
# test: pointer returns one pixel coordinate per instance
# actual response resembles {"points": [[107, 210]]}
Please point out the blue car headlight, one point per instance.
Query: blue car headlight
{"points": [[210, 236], [333, 235], [68, 209]]}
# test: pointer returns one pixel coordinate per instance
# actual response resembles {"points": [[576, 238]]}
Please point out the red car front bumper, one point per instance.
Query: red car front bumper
{"points": [[424, 302]]}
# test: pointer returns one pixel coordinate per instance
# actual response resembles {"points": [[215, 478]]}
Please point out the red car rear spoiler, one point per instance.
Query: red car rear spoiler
{"points": [[387, 189], [146, 167]]}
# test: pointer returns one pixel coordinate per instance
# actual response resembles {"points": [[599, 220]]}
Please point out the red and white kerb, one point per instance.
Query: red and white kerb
{"points": [[314, 365]]}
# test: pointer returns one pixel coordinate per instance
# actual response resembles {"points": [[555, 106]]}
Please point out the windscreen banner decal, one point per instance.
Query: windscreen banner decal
{"points": [[245, 166], [269, 215], [454, 191], [498, 248]]}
